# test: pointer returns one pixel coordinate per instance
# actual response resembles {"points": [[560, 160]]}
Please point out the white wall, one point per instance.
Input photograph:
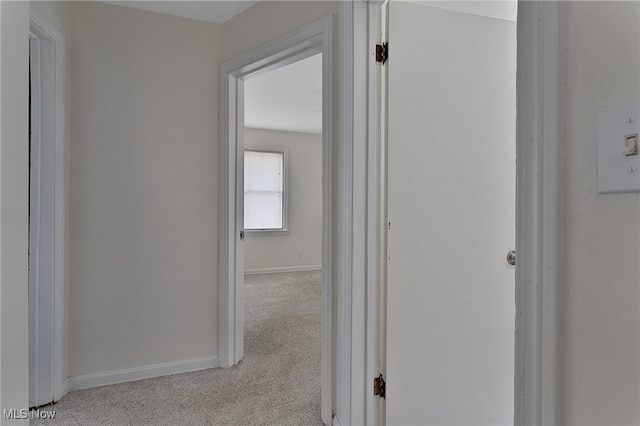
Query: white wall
{"points": [[56, 13], [602, 313], [14, 148], [304, 176], [144, 187]]}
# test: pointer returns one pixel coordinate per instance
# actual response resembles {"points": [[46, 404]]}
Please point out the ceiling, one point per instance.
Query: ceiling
{"points": [[217, 11], [288, 99]]}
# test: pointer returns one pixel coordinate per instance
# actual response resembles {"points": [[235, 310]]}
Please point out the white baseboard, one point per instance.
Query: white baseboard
{"points": [[335, 421], [282, 269], [139, 373]]}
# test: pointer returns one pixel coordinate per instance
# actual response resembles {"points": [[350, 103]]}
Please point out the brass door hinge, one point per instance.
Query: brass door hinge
{"points": [[382, 52], [379, 386]]}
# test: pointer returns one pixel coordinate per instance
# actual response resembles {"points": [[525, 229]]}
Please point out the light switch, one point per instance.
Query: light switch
{"points": [[618, 128], [631, 145]]}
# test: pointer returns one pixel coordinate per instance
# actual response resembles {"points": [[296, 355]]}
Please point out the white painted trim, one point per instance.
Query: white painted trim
{"points": [[139, 373], [311, 39], [238, 282], [282, 269], [40, 28], [266, 232], [344, 224], [372, 21], [227, 237], [538, 205], [335, 421], [40, 277], [364, 358], [359, 357], [329, 244]]}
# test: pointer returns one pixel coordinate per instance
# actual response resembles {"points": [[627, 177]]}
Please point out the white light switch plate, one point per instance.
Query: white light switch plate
{"points": [[618, 172]]}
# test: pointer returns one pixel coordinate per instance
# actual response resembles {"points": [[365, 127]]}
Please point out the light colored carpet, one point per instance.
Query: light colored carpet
{"points": [[277, 383]]}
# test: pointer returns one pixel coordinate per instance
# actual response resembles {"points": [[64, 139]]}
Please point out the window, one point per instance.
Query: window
{"points": [[264, 191]]}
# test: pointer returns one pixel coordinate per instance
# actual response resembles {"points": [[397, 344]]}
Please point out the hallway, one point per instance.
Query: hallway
{"points": [[278, 382]]}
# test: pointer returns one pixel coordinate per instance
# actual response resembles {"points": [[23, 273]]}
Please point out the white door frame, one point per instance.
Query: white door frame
{"points": [[304, 42], [538, 203], [539, 224], [48, 216], [365, 335]]}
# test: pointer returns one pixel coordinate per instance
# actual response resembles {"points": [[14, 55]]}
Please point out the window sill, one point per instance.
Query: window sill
{"points": [[265, 232]]}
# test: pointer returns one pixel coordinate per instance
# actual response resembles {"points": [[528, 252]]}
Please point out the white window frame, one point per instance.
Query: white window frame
{"points": [[285, 196]]}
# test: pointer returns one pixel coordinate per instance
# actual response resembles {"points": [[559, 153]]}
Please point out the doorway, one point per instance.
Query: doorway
{"points": [[313, 39], [283, 233]]}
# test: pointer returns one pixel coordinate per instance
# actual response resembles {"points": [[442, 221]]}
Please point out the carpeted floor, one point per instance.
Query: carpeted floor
{"points": [[277, 383]]}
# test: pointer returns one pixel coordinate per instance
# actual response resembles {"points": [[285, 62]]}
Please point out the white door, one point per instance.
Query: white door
{"points": [[451, 212]]}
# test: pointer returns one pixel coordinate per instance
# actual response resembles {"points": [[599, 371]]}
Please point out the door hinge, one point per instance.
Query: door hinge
{"points": [[379, 386], [382, 52]]}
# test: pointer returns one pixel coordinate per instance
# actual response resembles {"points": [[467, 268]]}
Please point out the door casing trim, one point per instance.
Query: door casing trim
{"points": [[539, 221], [53, 51]]}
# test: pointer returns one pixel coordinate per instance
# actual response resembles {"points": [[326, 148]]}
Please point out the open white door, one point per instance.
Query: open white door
{"points": [[451, 211]]}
